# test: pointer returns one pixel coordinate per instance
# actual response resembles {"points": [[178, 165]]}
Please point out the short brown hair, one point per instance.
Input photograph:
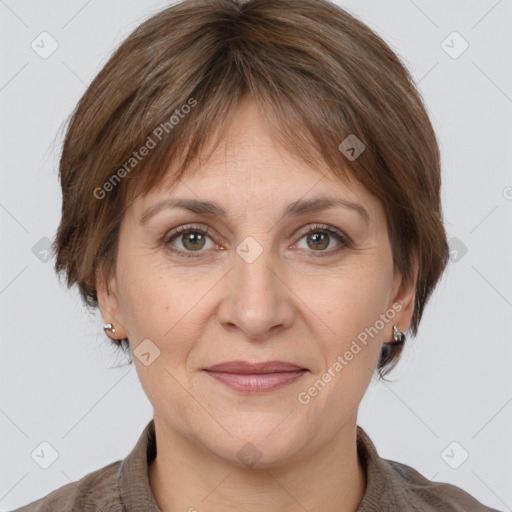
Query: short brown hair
{"points": [[318, 75]]}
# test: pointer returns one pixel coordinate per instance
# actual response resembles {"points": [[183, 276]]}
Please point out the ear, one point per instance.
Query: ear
{"points": [[109, 304], [404, 293]]}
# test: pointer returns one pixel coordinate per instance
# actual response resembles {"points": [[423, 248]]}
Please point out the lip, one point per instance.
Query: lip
{"points": [[255, 377], [244, 367]]}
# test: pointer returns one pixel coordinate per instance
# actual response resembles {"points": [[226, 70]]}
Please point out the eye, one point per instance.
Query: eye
{"points": [[318, 238], [191, 238]]}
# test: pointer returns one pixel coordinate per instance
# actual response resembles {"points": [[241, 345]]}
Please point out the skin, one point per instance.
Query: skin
{"points": [[290, 304]]}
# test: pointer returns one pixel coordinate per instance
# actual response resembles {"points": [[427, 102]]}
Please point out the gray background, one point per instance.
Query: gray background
{"points": [[454, 383]]}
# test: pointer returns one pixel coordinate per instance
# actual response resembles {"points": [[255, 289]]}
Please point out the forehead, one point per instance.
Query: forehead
{"points": [[248, 166]]}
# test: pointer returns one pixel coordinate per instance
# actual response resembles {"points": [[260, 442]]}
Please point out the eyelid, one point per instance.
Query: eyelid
{"points": [[191, 227], [325, 227]]}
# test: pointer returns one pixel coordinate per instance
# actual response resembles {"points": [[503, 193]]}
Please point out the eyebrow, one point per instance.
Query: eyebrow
{"points": [[295, 209]]}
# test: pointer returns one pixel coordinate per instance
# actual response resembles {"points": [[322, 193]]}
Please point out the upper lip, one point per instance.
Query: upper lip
{"points": [[244, 367]]}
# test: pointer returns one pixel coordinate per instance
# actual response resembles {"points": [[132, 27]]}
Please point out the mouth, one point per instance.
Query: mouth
{"points": [[256, 377]]}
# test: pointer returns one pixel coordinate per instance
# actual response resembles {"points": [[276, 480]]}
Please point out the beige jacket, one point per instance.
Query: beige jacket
{"points": [[123, 486]]}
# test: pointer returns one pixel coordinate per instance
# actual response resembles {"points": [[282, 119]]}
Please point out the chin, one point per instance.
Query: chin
{"points": [[259, 447]]}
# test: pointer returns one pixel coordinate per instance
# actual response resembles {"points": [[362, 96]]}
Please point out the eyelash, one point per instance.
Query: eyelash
{"points": [[340, 237]]}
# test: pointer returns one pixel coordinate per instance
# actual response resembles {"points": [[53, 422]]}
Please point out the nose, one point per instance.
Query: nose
{"points": [[257, 301]]}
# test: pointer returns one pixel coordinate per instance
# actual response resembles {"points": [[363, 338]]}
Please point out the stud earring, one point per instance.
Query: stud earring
{"points": [[109, 327], [398, 337]]}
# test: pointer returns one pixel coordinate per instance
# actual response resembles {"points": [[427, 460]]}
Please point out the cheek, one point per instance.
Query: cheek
{"points": [[163, 307], [351, 308], [349, 329], [350, 301], [163, 304]]}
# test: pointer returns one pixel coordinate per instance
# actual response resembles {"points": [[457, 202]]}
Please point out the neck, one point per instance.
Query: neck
{"points": [[187, 476]]}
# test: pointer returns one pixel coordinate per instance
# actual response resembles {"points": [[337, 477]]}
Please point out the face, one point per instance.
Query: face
{"points": [[256, 283]]}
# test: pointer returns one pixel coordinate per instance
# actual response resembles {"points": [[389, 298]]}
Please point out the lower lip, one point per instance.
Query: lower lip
{"points": [[257, 382]]}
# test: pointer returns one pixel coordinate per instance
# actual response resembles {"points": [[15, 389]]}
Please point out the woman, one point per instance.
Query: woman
{"points": [[251, 196]]}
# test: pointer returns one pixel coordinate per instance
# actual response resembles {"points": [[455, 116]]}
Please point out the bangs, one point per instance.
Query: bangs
{"points": [[302, 120]]}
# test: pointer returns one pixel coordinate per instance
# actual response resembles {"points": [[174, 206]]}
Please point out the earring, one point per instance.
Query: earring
{"points": [[398, 337], [109, 327]]}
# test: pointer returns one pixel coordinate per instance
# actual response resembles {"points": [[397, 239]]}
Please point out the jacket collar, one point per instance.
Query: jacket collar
{"points": [[133, 475]]}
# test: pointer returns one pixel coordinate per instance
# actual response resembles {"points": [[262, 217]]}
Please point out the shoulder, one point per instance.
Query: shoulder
{"points": [[95, 492], [395, 487], [422, 494]]}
